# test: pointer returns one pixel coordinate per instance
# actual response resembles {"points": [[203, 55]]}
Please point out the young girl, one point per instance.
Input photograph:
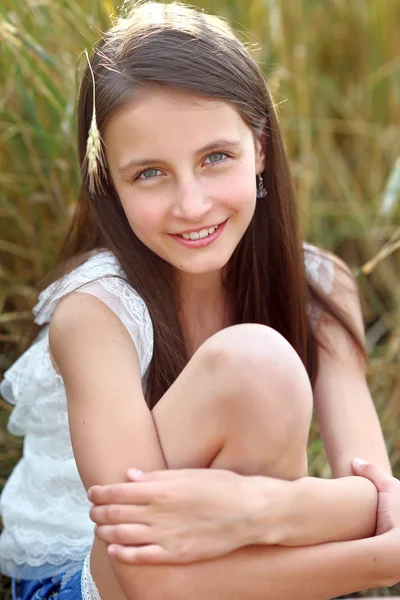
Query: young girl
{"points": [[188, 326]]}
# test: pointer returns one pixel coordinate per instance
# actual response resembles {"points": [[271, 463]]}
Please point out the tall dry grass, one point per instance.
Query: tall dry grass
{"points": [[334, 68]]}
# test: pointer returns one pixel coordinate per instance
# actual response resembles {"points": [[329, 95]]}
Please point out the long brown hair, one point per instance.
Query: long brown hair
{"points": [[182, 48]]}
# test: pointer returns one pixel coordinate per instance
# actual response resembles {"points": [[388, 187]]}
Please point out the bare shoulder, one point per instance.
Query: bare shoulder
{"points": [[334, 276], [83, 322], [320, 256], [342, 269], [345, 292], [344, 298], [80, 308]]}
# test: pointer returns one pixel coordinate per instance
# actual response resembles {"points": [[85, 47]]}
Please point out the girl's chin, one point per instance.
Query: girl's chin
{"points": [[191, 269]]}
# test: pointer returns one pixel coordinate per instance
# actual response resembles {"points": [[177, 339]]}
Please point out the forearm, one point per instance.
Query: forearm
{"points": [[313, 511], [265, 573]]}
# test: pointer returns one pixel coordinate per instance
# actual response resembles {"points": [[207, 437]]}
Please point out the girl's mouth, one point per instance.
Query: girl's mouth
{"points": [[199, 239]]}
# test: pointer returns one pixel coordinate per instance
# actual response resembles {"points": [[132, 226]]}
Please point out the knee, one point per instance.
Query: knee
{"points": [[255, 363], [252, 353]]}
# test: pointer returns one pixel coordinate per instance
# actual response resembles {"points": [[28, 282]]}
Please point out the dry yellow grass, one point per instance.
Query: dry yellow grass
{"points": [[334, 70]]}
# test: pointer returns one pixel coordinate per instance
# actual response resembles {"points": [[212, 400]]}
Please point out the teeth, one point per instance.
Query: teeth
{"points": [[196, 235]]}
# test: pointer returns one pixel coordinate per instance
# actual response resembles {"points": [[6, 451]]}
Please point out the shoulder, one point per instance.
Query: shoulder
{"points": [[85, 331], [333, 276], [320, 266], [81, 311], [331, 273], [95, 293], [318, 259]]}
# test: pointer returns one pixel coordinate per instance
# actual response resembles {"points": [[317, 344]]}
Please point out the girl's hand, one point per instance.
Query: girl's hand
{"points": [[388, 516], [388, 519], [177, 516]]}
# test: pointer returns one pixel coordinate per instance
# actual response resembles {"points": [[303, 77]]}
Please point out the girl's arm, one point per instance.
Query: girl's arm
{"points": [[337, 565], [175, 504], [314, 511], [111, 429], [345, 411], [313, 573], [271, 573], [343, 508]]}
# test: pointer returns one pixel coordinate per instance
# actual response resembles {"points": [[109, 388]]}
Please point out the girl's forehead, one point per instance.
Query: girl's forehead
{"points": [[160, 117], [157, 105]]}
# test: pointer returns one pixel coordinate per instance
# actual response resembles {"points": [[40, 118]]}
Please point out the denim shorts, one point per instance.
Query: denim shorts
{"points": [[59, 587]]}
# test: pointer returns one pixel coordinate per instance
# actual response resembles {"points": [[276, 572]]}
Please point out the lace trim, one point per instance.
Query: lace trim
{"points": [[88, 586], [100, 265], [320, 268]]}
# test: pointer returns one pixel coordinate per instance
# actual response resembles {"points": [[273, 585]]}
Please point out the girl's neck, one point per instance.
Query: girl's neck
{"points": [[204, 308], [201, 294]]}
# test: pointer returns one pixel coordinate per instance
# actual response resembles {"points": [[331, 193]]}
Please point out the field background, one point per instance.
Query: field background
{"points": [[334, 70]]}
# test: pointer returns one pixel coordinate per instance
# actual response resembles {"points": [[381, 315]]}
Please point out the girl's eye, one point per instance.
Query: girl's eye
{"points": [[217, 157], [147, 174], [151, 173]]}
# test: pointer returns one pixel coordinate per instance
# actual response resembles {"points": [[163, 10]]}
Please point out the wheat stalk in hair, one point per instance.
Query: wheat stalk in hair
{"points": [[94, 157]]}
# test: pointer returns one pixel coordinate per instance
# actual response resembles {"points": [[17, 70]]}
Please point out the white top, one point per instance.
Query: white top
{"points": [[44, 506]]}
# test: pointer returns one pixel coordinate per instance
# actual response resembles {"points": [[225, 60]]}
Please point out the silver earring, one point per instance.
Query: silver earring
{"points": [[261, 191]]}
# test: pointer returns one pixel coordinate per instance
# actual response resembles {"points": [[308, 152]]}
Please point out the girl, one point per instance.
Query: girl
{"points": [[188, 326]]}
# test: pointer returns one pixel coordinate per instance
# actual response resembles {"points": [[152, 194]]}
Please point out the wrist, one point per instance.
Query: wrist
{"points": [[267, 501]]}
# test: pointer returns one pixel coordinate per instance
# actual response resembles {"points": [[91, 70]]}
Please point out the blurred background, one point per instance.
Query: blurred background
{"points": [[334, 70]]}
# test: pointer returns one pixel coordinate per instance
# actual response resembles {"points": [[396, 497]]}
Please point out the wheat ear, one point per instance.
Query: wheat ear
{"points": [[95, 159]]}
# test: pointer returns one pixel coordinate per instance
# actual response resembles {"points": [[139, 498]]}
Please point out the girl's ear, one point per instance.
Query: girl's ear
{"points": [[260, 154], [261, 149]]}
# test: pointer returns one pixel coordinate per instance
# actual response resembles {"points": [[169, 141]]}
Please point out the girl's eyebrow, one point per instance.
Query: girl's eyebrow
{"points": [[132, 164]]}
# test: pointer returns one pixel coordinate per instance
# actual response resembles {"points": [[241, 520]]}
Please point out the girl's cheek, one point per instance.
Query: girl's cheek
{"points": [[146, 217], [244, 194]]}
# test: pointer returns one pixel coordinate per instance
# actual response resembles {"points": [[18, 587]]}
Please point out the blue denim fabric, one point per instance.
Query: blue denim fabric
{"points": [[58, 587]]}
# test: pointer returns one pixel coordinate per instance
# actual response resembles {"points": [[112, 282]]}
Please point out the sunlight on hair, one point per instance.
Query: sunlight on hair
{"points": [[156, 14]]}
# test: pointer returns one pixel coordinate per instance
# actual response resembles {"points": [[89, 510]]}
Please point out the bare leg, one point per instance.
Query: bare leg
{"points": [[244, 403]]}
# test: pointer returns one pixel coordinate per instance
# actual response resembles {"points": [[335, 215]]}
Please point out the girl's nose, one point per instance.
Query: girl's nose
{"points": [[191, 203]]}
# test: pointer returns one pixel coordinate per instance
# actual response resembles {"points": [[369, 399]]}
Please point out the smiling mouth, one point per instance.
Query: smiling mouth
{"points": [[198, 235]]}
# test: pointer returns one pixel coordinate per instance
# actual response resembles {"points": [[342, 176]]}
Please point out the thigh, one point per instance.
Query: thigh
{"points": [[188, 414]]}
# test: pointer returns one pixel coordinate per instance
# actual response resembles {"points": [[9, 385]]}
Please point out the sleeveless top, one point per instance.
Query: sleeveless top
{"points": [[44, 506]]}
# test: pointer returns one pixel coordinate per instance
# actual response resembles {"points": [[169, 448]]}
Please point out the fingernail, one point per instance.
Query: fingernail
{"points": [[134, 473], [111, 550], [89, 494], [359, 462]]}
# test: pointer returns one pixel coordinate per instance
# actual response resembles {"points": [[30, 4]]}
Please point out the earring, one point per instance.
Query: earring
{"points": [[261, 191]]}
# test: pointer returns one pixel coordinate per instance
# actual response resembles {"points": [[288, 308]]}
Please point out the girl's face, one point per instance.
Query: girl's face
{"points": [[184, 164]]}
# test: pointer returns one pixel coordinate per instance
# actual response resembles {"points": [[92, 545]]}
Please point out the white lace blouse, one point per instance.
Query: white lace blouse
{"points": [[44, 507]]}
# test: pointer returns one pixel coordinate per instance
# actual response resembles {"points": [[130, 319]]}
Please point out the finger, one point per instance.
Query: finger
{"points": [[113, 514], [119, 493], [132, 535], [374, 473], [144, 555]]}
